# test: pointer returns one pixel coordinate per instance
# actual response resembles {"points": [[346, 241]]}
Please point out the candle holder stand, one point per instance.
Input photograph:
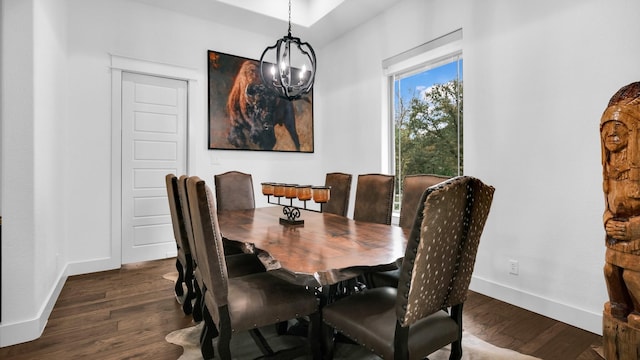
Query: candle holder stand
{"points": [[291, 212], [319, 194]]}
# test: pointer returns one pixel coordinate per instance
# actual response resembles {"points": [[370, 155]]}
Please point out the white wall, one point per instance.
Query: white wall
{"points": [[17, 207], [1, 49], [33, 118], [540, 79], [50, 137], [537, 78]]}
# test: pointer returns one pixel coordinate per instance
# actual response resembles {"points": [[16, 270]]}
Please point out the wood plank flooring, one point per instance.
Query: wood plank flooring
{"points": [[511, 327], [126, 313]]}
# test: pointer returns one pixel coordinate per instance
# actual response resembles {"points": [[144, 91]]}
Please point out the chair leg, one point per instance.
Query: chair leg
{"points": [[187, 306], [212, 333], [178, 288], [261, 342], [315, 335], [456, 350], [224, 337], [328, 341], [401, 342], [209, 332], [456, 346], [197, 306]]}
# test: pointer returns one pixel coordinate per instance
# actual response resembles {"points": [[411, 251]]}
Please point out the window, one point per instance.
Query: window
{"points": [[425, 98]]}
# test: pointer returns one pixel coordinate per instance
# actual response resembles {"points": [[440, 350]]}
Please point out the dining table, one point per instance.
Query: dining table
{"points": [[323, 251]]}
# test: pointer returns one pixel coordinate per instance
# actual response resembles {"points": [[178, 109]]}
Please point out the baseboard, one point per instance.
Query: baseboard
{"points": [[23, 331], [93, 265], [580, 318], [19, 332]]}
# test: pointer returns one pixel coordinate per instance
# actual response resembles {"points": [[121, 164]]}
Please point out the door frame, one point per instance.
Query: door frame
{"points": [[120, 64]]}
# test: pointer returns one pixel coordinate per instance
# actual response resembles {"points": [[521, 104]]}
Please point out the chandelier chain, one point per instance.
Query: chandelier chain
{"points": [[289, 17]]}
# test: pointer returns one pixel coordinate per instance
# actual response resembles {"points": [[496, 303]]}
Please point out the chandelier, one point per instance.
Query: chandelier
{"points": [[289, 67]]}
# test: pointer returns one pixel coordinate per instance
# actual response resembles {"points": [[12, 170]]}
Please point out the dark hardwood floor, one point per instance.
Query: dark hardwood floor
{"points": [[511, 327], [126, 313]]}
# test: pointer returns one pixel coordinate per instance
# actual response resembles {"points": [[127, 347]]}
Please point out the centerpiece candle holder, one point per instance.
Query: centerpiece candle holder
{"points": [[301, 193]]}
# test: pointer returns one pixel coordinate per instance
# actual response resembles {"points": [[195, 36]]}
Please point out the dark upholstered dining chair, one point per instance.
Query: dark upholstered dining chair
{"points": [[184, 262], [234, 191], [243, 303], [237, 264], [413, 186], [374, 198], [340, 184], [374, 203], [424, 313]]}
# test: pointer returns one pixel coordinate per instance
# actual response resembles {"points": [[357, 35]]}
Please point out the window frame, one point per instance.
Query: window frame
{"points": [[430, 55]]}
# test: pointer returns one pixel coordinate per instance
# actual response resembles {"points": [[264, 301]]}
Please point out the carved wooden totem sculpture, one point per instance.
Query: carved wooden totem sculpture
{"points": [[620, 140]]}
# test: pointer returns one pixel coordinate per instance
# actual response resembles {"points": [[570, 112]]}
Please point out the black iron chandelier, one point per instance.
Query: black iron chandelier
{"points": [[289, 67]]}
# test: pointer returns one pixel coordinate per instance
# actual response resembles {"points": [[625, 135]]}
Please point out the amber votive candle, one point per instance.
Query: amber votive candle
{"points": [[321, 194], [304, 192], [267, 188], [278, 190], [290, 191]]}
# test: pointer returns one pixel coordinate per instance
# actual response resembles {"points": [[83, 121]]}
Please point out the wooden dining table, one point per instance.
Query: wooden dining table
{"points": [[325, 250]]}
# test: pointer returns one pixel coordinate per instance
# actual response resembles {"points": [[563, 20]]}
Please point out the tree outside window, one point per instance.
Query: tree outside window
{"points": [[428, 112]]}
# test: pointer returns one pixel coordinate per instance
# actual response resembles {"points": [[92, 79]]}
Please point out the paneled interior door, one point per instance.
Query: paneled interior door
{"points": [[154, 116]]}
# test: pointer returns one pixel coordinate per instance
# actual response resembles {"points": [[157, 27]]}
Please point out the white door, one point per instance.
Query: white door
{"points": [[154, 124]]}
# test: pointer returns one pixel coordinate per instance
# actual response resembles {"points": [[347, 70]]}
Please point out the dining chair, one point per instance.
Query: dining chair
{"points": [[243, 303], [234, 191], [237, 264], [374, 198], [340, 184], [184, 261], [424, 313], [413, 186], [373, 203]]}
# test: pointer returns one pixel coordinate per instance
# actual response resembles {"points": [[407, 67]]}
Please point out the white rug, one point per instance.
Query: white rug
{"points": [[242, 347]]}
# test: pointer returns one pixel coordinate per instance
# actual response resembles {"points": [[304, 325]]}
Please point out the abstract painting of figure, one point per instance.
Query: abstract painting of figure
{"points": [[245, 115]]}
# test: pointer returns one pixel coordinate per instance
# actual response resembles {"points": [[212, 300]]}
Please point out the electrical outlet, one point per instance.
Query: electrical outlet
{"points": [[214, 159], [513, 267]]}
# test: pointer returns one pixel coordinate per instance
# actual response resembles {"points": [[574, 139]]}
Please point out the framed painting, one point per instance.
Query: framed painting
{"points": [[245, 115]]}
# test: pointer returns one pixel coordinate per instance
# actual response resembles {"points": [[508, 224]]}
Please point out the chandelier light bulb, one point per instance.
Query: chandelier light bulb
{"points": [[303, 71]]}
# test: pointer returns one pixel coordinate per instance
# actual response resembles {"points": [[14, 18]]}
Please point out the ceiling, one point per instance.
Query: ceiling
{"points": [[315, 21]]}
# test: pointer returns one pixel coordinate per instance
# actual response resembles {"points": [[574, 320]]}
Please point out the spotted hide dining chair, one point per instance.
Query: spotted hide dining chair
{"points": [[184, 262], [340, 184], [424, 313], [243, 303], [413, 186], [237, 264], [374, 198]]}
